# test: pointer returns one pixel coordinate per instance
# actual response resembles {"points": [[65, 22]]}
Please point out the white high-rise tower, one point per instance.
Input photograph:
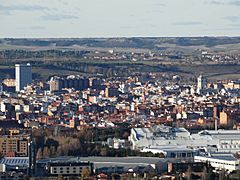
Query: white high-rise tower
{"points": [[201, 83], [23, 75]]}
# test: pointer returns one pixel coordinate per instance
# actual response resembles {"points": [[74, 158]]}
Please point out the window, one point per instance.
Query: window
{"points": [[172, 155]]}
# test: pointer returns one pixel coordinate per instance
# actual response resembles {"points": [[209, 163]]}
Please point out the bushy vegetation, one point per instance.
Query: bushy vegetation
{"points": [[86, 142]]}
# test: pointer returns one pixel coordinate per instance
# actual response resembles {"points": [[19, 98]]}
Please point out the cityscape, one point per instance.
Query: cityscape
{"points": [[140, 100]]}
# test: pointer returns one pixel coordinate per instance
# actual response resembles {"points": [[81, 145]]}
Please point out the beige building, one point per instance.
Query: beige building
{"points": [[223, 118], [232, 85], [69, 168], [17, 145], [230, 117], [9, 82]]}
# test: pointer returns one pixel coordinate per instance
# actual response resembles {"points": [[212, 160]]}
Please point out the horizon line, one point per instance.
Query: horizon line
{"points": [[127, 37]]}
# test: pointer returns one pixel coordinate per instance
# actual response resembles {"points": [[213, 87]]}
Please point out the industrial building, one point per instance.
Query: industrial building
{"points": [[160, 136], [220, 161]]}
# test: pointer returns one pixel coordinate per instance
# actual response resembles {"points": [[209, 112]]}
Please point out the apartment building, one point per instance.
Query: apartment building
{"points": [[14, 146]]}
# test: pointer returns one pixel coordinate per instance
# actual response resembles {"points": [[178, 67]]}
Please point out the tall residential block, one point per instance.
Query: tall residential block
{"points": [[201, 84], [23, 75], [77, 82]]}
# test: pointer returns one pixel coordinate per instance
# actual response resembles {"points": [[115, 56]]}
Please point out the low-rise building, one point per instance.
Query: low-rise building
{"points": [[116, 143], [16, 164], [65, 166], [178, 152], [220, 161]]}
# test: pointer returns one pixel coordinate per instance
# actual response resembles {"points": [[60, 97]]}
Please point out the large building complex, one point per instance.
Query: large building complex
{"points": [[162, 136], [77, 82], [23, 75]]}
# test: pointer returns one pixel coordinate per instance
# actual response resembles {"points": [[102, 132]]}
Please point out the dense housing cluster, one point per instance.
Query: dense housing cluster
{"points": [[165, 127]]}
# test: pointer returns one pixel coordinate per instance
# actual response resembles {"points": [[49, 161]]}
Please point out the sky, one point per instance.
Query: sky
{"points": [[118, 18]]}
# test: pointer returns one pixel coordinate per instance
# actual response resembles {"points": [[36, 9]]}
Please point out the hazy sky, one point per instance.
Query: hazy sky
{"points": [[114, 18]]}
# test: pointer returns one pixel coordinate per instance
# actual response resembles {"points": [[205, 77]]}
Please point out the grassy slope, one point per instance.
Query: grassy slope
{"points": [[188, 45], [214, 72]]}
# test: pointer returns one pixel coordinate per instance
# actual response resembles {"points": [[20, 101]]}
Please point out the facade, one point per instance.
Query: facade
{"points": [[9, 82], [18, 154], [200, 84], [232, 85], [77, 82], [16, 164], [116, 143], [230, 117], [9, 85], [160, 136], [95, 83], [220, 161], [174, 167], [176, 152], [14, 146], [23, 75], [64, 166], [223, 118], [69, 168], [111, 92]]}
